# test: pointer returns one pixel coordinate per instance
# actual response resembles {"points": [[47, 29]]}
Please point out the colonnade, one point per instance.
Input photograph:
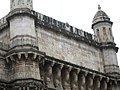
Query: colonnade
{"points": [[56, 74], [68, 77]]}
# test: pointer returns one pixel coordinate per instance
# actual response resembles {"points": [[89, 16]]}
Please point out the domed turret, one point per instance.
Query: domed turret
{"points": [[100, 16], [102, 26]]}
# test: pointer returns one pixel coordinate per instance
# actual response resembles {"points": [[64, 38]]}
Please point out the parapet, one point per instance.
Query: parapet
{"points": [[56, 26]]}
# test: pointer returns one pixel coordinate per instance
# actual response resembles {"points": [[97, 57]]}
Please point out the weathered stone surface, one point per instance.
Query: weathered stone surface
{"points": [[20, 4], [69, 50], [38, 52]]}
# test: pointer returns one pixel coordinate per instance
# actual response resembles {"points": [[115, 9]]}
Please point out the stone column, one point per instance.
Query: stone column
{"points": [[89, 82], [103, 84], [96, 83], [110, 85], [74, 79], [57, 76], [66, 78], [81, 80], [48, 74]]}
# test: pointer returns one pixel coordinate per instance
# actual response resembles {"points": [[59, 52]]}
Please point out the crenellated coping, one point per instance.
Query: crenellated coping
{"points": [[51, 23], [58, 26], [64, 75], [64, 28]]}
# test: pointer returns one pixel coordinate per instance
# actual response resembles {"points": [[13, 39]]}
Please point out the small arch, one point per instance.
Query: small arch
{"points": [[104, 31], [110, 31], [97, 31]]}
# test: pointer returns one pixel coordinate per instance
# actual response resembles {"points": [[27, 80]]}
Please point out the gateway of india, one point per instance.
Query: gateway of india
{"points": [[38, 52]]}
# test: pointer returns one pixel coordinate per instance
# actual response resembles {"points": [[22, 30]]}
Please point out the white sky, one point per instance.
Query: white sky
{"points": [[78, 13]]}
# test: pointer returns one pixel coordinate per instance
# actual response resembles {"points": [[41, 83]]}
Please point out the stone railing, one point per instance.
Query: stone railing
{"points": [[61, 27], [49, 22], [55, 25], [61, 75]]}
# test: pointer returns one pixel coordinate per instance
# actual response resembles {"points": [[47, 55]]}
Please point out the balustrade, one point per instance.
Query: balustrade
{"points": [[96, 83], [52, 23], [64, 77]]}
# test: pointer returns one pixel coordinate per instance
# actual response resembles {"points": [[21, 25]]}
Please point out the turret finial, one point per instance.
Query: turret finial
{"points": [[99, 8]]}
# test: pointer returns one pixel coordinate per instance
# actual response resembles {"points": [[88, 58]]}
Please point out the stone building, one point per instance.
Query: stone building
{"points": [[38, 52]]}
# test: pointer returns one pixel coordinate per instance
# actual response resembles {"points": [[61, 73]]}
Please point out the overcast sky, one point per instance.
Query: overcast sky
{"points": [[78, 13]]}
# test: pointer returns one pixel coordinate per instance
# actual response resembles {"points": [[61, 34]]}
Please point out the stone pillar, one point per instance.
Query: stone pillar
{"points": [[89, 82], [74, 79], [3, 86], [96, 83], [66, 78], [110, 85], [57, 76], [48, 74], [103, 84], [116, 86], [81, 80]]}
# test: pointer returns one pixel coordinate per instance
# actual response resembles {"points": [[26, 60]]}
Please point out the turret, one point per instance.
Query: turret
{"points": [[17, 4], [102, 27], [23, 56], [22, 24]]}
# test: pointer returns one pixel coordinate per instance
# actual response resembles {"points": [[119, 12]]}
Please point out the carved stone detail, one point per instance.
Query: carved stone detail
{"points": [[66, 77], [57, 75], [89, 82], [48, 74], [74, 79], [96, 83], [81, 81], [103, 84]]}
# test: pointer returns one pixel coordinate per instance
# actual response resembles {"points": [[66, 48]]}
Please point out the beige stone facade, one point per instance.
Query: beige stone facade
{"points": [[38, 52]]}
